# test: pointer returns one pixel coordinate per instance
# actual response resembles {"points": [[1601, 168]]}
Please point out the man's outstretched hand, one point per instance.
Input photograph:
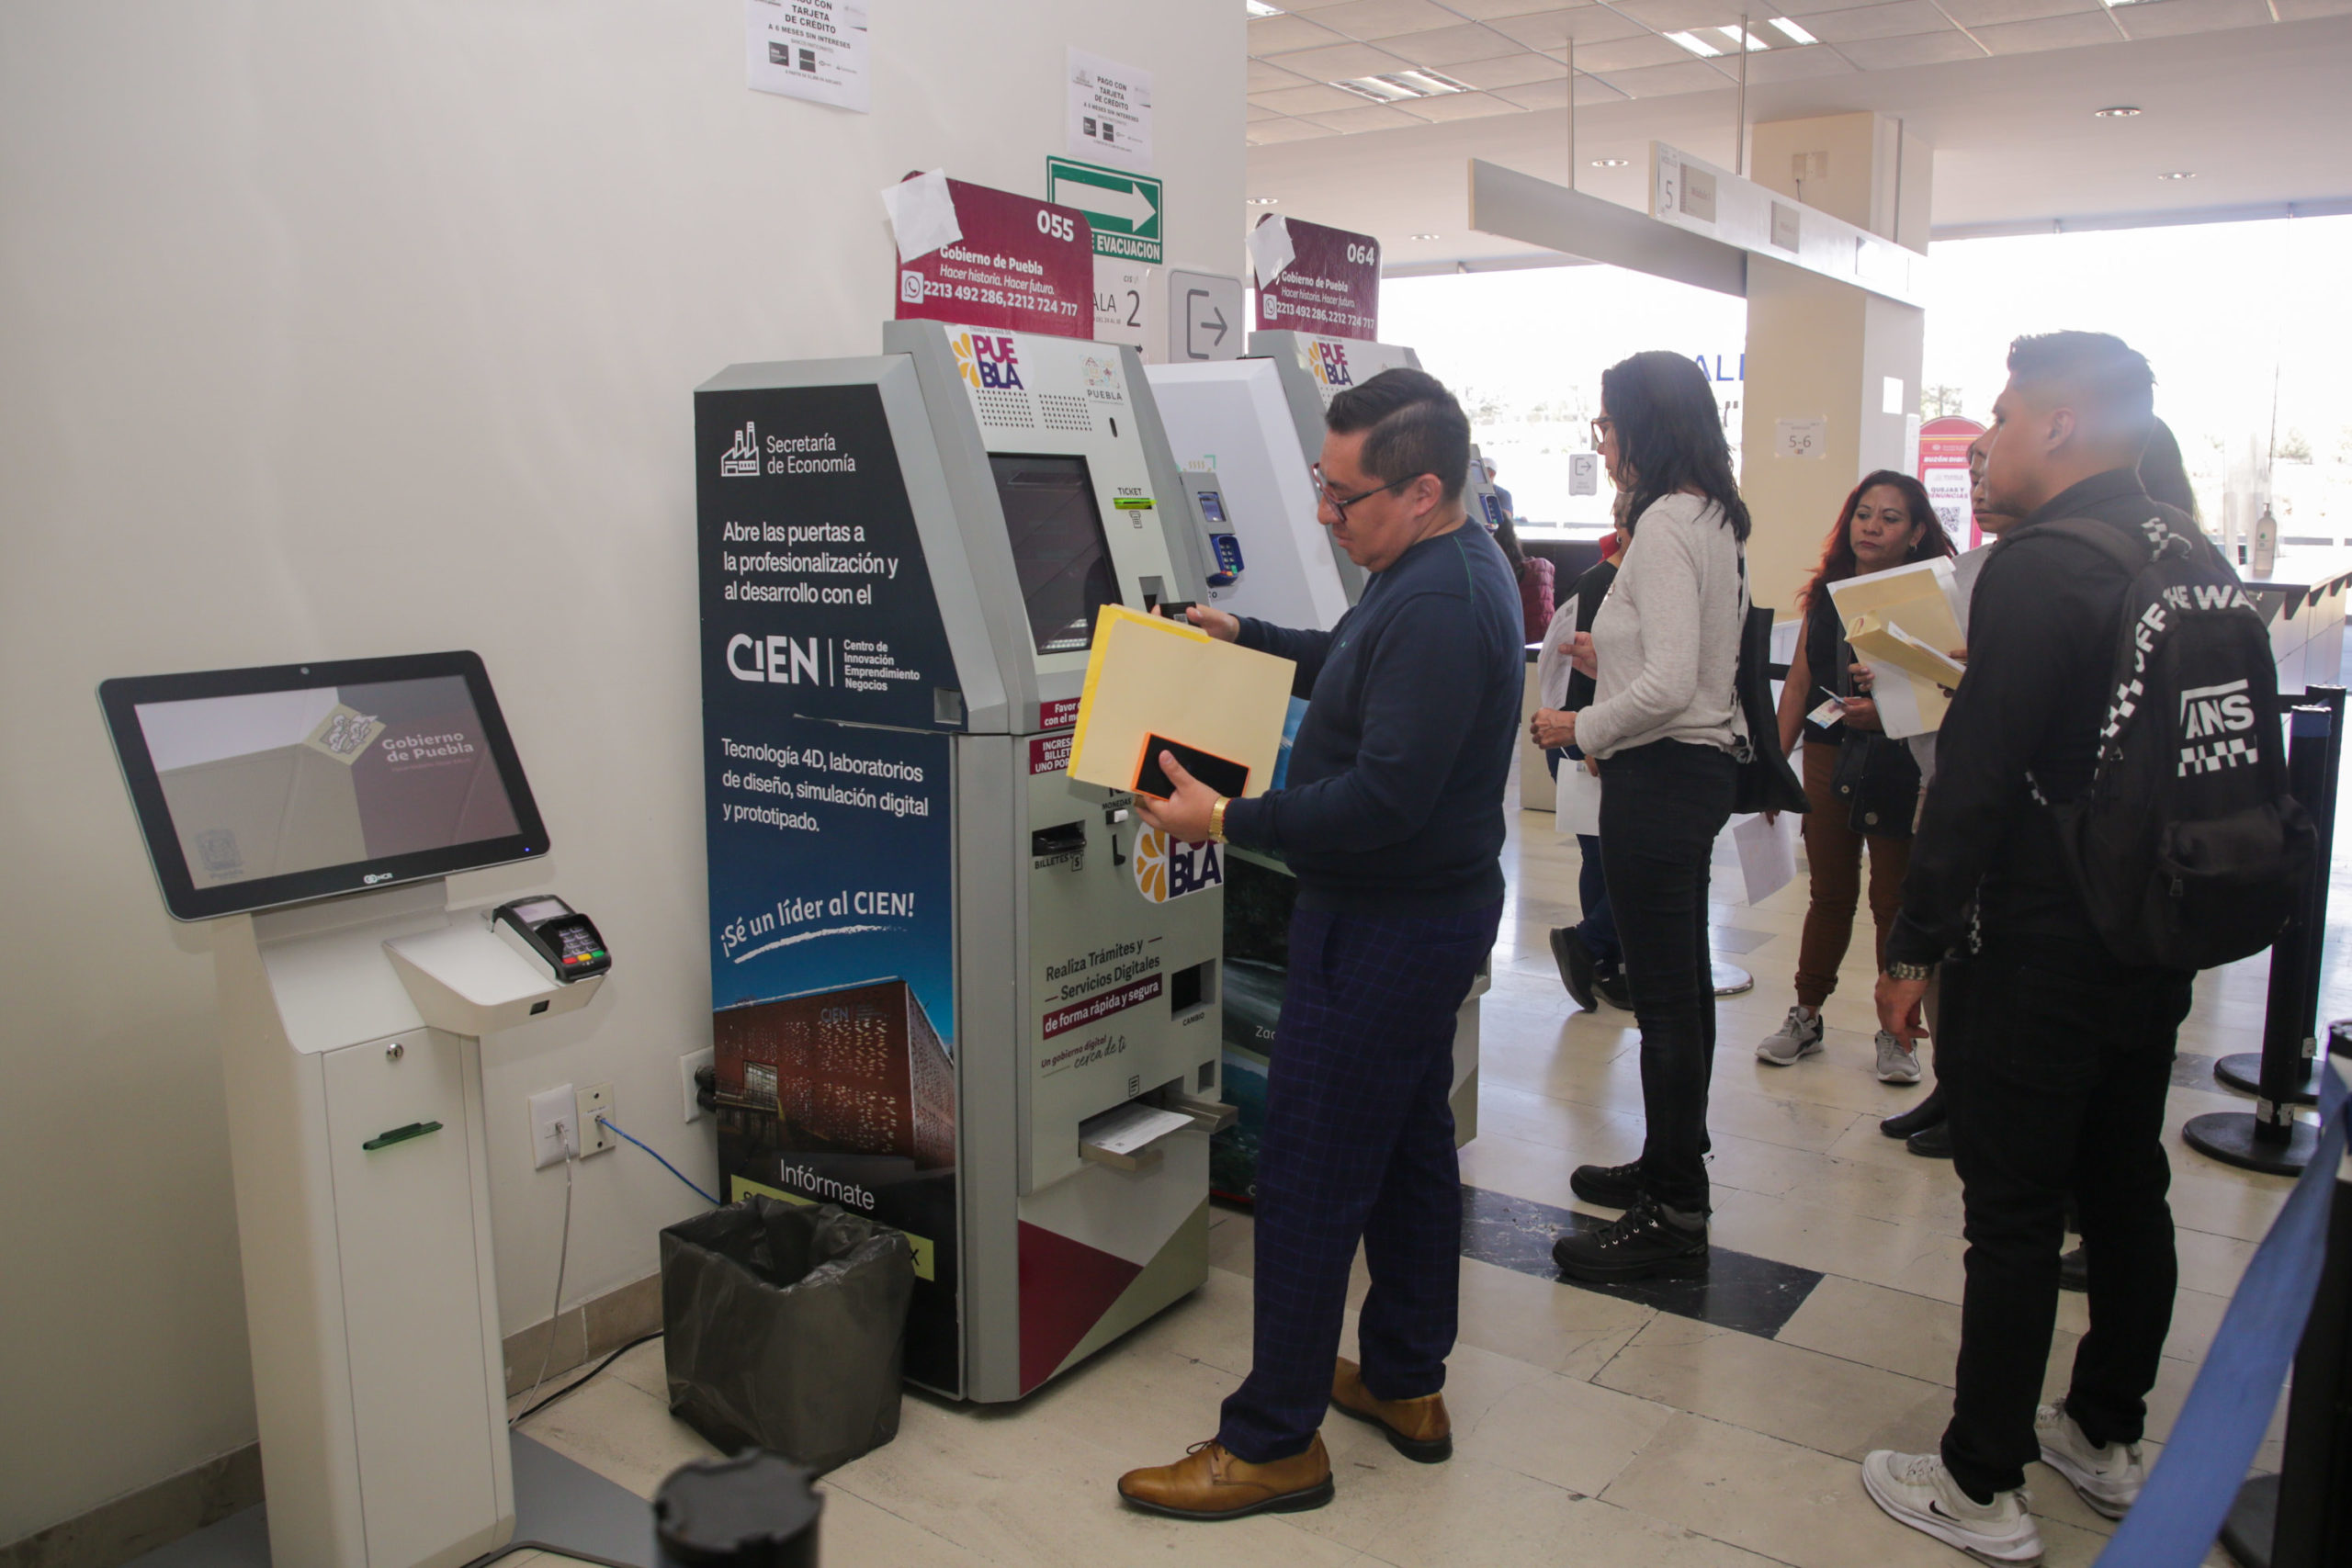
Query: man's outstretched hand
{"points": [[1215, 622], [1185, 814]]}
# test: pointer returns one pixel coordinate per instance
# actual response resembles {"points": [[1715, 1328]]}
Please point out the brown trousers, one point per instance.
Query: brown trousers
{"points": [[1834, 852]]}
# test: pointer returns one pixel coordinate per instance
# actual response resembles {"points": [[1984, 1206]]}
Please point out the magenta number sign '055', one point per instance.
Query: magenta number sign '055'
{"points": [[1330, 286], [1022, 265]]}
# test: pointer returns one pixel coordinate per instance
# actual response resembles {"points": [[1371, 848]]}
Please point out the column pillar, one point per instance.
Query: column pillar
{"points": [[1818, 349]]}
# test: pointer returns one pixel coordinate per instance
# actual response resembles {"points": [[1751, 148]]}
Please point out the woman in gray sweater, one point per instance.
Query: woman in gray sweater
{"points": [[1664, 722]]}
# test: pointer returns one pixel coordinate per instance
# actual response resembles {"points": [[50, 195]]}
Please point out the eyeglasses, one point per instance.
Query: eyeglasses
{"points": [[1326, 496], [1601, 430]]}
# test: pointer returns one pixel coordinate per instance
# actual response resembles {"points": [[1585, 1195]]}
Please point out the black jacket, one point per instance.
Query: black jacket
{"points": [[1394, 800], [1590, 590], [2022, 731]]}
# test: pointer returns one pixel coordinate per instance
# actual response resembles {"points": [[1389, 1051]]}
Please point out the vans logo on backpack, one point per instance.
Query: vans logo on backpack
{"points": [[2212, 710]]}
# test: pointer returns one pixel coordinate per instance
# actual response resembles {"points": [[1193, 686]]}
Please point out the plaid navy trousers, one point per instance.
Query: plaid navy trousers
{"points": [[1358, 1145]]}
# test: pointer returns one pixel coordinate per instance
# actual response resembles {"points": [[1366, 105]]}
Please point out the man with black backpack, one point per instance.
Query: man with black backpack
{"points": [[2108, 815]]}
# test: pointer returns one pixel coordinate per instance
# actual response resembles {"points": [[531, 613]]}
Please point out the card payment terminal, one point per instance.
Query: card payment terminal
{"points": [[559, 937]]}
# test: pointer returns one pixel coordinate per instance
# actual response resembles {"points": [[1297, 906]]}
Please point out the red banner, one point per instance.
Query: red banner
{"points": [[1943, 469], [1062, 1020], [1330, 286], [1022, 265]]}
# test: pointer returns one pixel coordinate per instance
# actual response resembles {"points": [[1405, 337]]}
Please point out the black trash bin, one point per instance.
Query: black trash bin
{"points": [[785, 1328]]}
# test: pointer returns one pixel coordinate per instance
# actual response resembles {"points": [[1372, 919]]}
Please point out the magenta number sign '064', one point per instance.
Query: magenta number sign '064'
{"points": [[1022, 265], [1330, 287]]}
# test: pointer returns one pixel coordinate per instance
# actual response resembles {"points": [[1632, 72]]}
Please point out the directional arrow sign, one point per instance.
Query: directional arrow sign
{"points": [[1205, 317], [1123, 207]]}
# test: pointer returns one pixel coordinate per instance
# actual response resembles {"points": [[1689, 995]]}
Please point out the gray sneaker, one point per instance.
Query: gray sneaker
{"points": [[2107, 1478], [1897, 1063], [1798, 1036]]}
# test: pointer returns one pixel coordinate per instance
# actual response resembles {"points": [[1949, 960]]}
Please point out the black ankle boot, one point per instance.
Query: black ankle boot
{"points": [[1610, 1186], [1928, 1113], [1649, 1240]]}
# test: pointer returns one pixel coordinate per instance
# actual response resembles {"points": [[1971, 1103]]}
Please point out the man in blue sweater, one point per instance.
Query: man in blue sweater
{"points": [[1393, 822]]}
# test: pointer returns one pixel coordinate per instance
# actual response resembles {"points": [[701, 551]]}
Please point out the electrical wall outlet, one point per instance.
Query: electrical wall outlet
{"points": [[554, 1127], [594, 1136], [689, 1064]]}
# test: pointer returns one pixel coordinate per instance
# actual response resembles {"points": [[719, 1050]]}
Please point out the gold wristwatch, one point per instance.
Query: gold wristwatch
{"points": [[1216, 820], [1900, 971]]}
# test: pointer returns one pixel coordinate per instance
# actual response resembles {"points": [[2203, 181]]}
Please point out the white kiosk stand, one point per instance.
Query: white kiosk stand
{"points": [[311, 814]]}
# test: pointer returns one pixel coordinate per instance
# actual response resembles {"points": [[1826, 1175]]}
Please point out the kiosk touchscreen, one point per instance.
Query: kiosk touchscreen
{"points": [[310, 813], [950, 988]]}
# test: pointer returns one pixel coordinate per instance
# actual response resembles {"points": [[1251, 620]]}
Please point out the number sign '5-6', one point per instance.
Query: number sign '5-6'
{"points": [[1022, 265]]}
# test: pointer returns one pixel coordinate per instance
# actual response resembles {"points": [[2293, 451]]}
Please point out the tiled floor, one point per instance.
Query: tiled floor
{"points": [[1591, 1428]]}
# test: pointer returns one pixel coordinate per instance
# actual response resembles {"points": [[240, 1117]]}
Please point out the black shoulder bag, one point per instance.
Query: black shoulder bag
{"points": [[1766, 782]]}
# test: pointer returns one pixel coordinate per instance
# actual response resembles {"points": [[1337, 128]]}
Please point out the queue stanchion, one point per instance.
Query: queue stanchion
{"points": [[2302, 1516], [2242, 1070], [2272, 1138]]}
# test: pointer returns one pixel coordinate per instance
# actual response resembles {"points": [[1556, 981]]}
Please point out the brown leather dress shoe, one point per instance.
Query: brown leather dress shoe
{"points": [[1210, 1483], [1417, 1428]]}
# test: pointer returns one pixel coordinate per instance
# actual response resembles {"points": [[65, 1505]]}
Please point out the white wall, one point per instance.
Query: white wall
{"points": [[330, 330]]}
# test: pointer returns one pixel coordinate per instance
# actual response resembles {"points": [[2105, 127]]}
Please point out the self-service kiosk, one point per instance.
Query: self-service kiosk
{"points": [[950, 989], [311, 814], [1253, 427]]}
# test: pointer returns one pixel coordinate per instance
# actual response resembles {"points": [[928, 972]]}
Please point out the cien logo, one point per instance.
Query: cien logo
{"points": [[1168, 869], [988, 361], [1332, 364], [780, 661], [741, 461]]}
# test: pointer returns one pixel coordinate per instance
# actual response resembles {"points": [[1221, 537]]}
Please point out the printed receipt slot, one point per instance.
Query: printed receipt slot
{"points": [[951, 989], [312, 813]]}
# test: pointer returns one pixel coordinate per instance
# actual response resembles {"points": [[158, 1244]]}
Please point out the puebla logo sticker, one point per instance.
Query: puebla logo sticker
{"points": [[1168, 869]]}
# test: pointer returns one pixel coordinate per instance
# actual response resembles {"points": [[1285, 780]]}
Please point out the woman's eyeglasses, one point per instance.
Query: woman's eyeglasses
{"points": [[1601, 429]]}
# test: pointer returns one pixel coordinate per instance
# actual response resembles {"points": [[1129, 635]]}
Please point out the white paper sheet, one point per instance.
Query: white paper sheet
{"points": [[818, 50], [1575, 800], [1271, 249], [1768, 853], [1110, 112], [923, 214]]}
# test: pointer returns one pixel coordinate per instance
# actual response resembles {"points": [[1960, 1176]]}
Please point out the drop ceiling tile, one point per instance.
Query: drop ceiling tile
{"points": [[1266, 132], [1628, 53], [1339, 62], [2304, 11], [1462, 105], [1990, 12], [1797, 64], [1384, 19], [1304, 100], [2050, 32], [2170, 18], [1273, 34], [1671, 15], [1554, 95], [1510, 70], [1494, 10], [1265, 78], [1902, 18], [1553, 30], [1256, 114], [1666, 81], [1371, 117], [1895, 53], [1451, 46]]}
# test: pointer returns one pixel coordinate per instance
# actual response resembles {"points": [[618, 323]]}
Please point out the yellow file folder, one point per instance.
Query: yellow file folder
{"points": [[1150, 676]]}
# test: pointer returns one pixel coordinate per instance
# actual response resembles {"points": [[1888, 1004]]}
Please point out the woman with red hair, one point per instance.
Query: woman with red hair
{"points": [[1861, 785]]}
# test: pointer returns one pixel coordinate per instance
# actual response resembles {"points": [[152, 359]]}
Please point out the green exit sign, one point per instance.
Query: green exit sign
{"points": [[1124, 209]]}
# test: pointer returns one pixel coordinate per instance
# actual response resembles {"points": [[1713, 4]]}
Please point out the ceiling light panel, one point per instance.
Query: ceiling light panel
{"points": [[1737, 38], [1379, 89], [1792, 31], [1257, 8], [1695, 45]]}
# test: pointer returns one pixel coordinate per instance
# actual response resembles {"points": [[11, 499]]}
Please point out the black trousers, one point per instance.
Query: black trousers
{"points": [[1661, 807], [2054, 1061]]}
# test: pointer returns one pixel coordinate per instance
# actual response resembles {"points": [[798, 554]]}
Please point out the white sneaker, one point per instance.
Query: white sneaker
{"points": [[2108, 1479], [1897, 1063], [1916, 1490], [1798, 1036]]}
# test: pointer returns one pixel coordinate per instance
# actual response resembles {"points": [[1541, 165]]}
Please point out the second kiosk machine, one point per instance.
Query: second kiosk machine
{"points": [[951, 989]]}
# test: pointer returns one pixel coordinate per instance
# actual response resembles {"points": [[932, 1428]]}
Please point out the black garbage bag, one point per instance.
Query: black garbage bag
{"points": [[785, 1328]]}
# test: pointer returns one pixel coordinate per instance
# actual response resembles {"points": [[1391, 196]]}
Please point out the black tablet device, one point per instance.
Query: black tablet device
{"points": [[262, 787], [1222, 774]]}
